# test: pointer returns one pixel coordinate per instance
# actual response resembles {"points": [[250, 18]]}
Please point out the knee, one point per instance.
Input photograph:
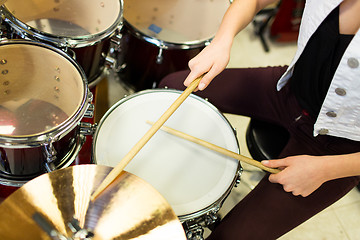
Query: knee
{"points": [[174, 80]]}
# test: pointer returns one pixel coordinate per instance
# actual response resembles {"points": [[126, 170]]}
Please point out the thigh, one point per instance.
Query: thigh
{"points": [[243, 91], [268, 212]]}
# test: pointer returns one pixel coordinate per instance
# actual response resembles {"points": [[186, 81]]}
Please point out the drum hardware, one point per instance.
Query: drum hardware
{"points": [[159, 57], [47, 227], [194, 228], [78, 232], [112, 63], [70, 52], [50, 156], [89, 113], [116, 40], [73, 225], [194, 231], [58, 205], [87, 128], [111, 60]]}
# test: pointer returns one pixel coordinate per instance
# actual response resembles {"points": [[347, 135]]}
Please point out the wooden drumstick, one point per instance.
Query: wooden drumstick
{"points": [[217, 149], [116, 171]]}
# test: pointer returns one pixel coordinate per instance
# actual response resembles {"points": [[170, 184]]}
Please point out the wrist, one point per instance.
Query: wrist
{"points": [[224, 41], [339, 166]]}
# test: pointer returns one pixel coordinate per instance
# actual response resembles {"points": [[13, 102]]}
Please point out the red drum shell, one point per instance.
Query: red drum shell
{"points": [[27, 163], [92, 60], [141, 70]]}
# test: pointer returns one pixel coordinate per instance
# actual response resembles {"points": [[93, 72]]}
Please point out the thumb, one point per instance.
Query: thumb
{"points": [[275, 163]]}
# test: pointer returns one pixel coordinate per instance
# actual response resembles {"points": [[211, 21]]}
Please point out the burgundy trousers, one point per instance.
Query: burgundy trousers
{"points": [[268, 212]]}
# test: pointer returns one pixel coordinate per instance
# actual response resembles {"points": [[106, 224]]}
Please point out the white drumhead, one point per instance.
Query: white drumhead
{"points": [[189, 176], [176, 21]]}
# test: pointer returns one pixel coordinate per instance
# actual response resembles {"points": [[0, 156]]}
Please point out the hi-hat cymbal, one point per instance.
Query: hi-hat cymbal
{"points": [[50, 204]]}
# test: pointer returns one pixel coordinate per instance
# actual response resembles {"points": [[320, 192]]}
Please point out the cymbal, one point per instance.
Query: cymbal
{"points": [[57, 205]]}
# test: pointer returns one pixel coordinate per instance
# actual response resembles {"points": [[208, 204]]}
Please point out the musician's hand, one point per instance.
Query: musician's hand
{"points": [[210, 61], [300, 175]]}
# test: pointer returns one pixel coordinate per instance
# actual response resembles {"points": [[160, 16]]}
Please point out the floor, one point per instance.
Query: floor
{"points": [[340, 221]]}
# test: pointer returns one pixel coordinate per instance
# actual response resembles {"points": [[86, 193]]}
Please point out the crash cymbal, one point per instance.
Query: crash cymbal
{"points": [[58, 204]]}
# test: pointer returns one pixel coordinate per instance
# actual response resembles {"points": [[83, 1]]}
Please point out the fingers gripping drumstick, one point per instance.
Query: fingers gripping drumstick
{"points": [[116, 171], [217, 149]]}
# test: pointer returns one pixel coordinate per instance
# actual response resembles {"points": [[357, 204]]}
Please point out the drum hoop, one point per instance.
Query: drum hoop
{"points": [[61, 41], [215, 207], [218, 201], [165, 44], [27, 141]]}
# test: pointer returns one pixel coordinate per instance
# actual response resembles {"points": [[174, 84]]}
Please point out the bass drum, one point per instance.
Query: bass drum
{"points": [[194, 180], [160, 37]]}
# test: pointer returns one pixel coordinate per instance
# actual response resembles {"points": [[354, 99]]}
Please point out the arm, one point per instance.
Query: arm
{"points": [[303, 174], [213, 59]]}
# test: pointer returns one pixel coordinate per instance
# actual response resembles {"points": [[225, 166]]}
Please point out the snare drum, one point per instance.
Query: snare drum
{"points": [[160, 37], [193, 179], [81, 28], [44, 96]]}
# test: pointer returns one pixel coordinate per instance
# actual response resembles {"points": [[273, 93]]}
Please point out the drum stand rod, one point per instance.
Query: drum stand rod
{"points": [[116, 171], [217, 149]]}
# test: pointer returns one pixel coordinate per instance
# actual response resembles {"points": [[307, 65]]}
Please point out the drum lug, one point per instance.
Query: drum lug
{"points": [[111, 62], [89, 113], [50, 155], [70, 52], [194, 231], [159, 57], [87, 128], [116, 41], [238, 177], [212, 217], [90, 96]]}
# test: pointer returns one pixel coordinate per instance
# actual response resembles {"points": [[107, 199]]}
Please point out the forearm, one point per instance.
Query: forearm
{"points": [[214, 58], [237, 17], [339, 166]]}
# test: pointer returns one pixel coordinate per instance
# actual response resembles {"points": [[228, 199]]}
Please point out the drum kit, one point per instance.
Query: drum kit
{"points": [[53, 54]]}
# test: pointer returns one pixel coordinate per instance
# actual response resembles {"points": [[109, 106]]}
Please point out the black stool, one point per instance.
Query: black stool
{"points": [[265, 140]]}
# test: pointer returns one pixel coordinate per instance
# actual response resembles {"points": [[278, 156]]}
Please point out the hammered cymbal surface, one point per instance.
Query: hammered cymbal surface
{"points": [[129, 208]]}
